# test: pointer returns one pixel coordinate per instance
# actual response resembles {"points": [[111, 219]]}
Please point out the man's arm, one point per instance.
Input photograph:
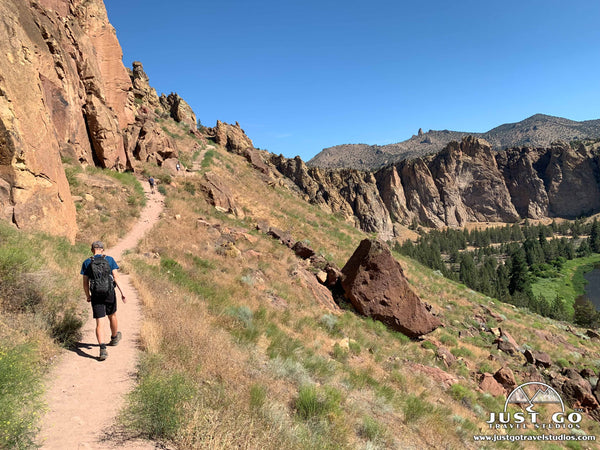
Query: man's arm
{"points": [[86, 288], [116, 279]]}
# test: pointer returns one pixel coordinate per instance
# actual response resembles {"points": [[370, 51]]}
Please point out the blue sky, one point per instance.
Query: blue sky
{"points": [[303, 76]]}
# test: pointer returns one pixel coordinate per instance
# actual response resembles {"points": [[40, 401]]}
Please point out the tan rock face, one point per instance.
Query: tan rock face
{"points": [[232, 137], [64, 92], [34, 192], [107, 56]]}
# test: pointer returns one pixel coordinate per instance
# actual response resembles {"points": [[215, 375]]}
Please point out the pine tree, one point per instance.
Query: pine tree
{"points": [[585, 314], [594, 239], [519, 276]]}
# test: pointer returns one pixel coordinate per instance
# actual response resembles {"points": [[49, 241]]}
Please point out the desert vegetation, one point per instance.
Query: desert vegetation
{"points": [[40, 309], [237, 348]]}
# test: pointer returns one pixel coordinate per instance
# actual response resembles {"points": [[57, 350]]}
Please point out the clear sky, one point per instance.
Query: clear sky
{"points": [[300, 76]]}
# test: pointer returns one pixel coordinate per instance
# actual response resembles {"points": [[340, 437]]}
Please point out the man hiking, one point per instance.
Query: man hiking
{"points": [[151, 182], [99, 281]]}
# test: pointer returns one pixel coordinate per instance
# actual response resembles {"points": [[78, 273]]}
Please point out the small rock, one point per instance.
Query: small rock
{"points": [[322, 276]]}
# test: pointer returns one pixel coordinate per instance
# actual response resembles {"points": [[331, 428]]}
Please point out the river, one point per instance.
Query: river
{"points": [[592, 288]]}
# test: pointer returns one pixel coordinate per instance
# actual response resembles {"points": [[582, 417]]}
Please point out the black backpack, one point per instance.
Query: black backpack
{"points": [[100, 275]]}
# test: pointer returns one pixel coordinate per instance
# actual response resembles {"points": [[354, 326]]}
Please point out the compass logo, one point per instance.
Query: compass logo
{"points": [[544, 409]]}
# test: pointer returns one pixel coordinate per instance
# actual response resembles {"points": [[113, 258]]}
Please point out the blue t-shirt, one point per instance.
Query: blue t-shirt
{"points": [[86, 264]]}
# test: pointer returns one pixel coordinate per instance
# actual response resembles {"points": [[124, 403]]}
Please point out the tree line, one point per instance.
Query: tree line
{"points": [[504, 262]]}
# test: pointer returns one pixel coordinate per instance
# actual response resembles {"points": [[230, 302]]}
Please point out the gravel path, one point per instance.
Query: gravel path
{"points": [[85, 395]]}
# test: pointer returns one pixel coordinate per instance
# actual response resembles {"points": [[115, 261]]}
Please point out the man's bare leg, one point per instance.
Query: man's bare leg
{"points": [[99, 330], [114, 325]]}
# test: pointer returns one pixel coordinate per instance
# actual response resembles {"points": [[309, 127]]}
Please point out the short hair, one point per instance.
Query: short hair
{"points": [[97, 244]]}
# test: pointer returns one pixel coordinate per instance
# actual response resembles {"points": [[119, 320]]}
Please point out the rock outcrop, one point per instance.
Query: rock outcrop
{"points": [[232, 137], [65, 94], [179, 109], [375, 284], [142, 91], [351, 193]]}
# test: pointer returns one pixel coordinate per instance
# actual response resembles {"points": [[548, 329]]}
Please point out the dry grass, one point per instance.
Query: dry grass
{"points": [[214, 318], [108, 204]]}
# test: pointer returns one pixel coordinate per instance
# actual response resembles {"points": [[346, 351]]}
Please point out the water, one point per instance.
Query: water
{"points": [[592, 288]]}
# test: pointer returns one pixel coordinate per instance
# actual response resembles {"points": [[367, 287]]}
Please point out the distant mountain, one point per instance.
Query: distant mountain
{"points": [[539, 130]]}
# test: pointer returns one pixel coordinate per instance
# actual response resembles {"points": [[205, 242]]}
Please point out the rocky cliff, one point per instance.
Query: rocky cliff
{"points": [[466, 182], [64, 93], [539, 130]]}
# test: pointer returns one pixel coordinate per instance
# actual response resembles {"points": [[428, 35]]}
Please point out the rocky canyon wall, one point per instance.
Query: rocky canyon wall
{"points": [[466, 182]]}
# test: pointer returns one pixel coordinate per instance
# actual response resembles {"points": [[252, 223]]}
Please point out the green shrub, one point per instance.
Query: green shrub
{"points": [[258, 395], [429, 345], [461, 351], [461, 393], [20, 397], [339, 354], [312, 403], [486, 368], [281, 344], [354, 347], [156, 406], [562, 362], [448, 339], [249, 332], [415, 408], [371, 429], [330, 323]]}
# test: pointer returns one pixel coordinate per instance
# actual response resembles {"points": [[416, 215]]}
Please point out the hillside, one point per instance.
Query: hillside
{"points": [[243, 347], [248, 337], [245, 311], [539, 130]]}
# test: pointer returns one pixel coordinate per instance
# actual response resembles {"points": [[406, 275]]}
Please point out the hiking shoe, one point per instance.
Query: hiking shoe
{"points": [[103, 354], [115, 340]]}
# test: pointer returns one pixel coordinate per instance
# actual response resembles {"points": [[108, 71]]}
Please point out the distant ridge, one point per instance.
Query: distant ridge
{"points": [[538, 130]]}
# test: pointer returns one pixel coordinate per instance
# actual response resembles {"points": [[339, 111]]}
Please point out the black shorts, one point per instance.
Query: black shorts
{"points": [[104, 306]]}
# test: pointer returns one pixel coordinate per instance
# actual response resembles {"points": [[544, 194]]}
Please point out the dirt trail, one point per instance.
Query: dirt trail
{"points": [[85, 395]]}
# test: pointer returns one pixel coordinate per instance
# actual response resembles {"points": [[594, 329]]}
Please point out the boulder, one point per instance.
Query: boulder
{"points": [[319, 292], [506, 378], [302, 250], [254, 158], [588, 373], [489, 384], [446, 356], [537, 358], [578, 390], [283, 236], [375, 284], [592, 334], [218, 193], [506, 343]]}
